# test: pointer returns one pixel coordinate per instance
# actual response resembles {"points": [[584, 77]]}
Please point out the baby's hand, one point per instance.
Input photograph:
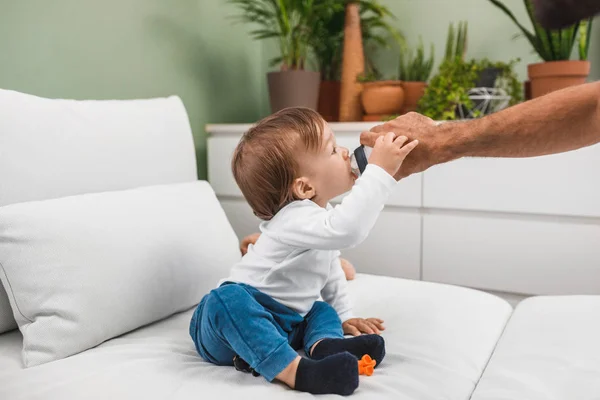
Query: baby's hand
{"points": [[247, 241], [348, 268], [358, 326], [389, 153]]}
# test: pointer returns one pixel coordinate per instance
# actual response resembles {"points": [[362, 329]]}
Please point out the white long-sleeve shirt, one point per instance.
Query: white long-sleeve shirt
{"points": [[296, 260]]}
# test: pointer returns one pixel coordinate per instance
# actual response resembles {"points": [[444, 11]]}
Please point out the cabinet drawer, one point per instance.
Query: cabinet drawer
{"points": [[517, 255], [392, 249], [561, 184]]}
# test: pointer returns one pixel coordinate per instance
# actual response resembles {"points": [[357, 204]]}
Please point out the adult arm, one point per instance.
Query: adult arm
{"points": [[560, 121]]}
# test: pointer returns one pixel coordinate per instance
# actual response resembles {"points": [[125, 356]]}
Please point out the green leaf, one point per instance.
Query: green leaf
{"points": [[450, 42], [550, 45], [264, 34], [530, 36], [585, 28]]}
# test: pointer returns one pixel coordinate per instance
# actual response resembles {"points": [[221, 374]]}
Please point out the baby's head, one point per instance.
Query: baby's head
{"points": [[290, 155]]}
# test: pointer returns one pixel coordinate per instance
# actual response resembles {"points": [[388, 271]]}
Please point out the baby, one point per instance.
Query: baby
{"points": [[347, 267], [289, 167]]}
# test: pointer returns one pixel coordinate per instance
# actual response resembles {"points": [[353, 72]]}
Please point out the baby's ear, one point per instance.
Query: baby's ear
{"points": [[303, 189]]}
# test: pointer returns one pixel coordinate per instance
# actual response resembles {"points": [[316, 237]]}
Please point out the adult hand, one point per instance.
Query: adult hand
{"points": [[416, 127], [348, 268], [390, 151]]}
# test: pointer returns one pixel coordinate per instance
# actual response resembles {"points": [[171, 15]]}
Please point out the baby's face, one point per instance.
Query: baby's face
{"points": [[329, 169]]}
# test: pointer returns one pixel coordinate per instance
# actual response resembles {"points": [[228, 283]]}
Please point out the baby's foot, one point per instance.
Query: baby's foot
{"points": [[373, 345], [336, 374]]}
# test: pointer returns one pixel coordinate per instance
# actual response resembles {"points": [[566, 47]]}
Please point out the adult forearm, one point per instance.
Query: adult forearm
{"points": [[561, 121]]}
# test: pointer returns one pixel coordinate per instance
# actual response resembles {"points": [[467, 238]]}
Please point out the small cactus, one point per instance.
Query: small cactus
{"points": [[456, 43], [417, 68]]}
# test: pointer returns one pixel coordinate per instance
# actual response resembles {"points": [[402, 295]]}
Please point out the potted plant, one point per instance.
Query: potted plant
{"points": [[380, 97], [555, 47], [449, 89], [415, 71], [288, 21], [326, 40], [456, 47]]}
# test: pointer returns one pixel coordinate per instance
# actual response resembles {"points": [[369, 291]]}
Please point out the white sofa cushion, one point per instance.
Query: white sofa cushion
{"points": [[82, 269], [7, 321], [550, 350], [438, 341], [52, 148]]}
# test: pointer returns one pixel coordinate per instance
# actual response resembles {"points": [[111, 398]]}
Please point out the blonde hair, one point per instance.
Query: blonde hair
{"points": [[265, 163]]}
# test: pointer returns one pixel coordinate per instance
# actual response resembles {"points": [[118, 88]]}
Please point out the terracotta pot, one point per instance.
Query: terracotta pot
{"points": [[329, 100], [295, 88], [382, 97], [527, 90], [375, 117], [547, 77], [413, 91]]}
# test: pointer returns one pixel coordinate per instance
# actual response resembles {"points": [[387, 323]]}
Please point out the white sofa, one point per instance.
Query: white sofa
{"points": [[443, 342]]}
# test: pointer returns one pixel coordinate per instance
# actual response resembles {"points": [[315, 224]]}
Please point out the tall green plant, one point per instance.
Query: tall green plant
{"points": [[552, 45], [415, 67], [374, 25], [288, 21], [327, 37], [377, 33]]}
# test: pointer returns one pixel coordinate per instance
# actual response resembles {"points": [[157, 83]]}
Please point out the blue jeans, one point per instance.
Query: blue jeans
{"points": [[238, 319]]}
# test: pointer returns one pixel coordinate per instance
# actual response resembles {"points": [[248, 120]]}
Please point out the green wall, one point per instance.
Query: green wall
{"points": [[135, 48], [491, 33], [145, 48]]}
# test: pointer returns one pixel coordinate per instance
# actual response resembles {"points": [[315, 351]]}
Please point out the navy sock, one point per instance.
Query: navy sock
{"points": [[336, 374], [373, 345]]}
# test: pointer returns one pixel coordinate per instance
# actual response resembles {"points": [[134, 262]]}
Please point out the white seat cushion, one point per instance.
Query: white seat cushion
{"points": [[438, 339], [550, 350]]}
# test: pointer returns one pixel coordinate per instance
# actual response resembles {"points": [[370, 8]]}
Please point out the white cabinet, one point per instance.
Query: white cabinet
{"points": [[220, 151], [529, 226], [512, 255], [560, 184], [240, 215], [393, 248]]}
